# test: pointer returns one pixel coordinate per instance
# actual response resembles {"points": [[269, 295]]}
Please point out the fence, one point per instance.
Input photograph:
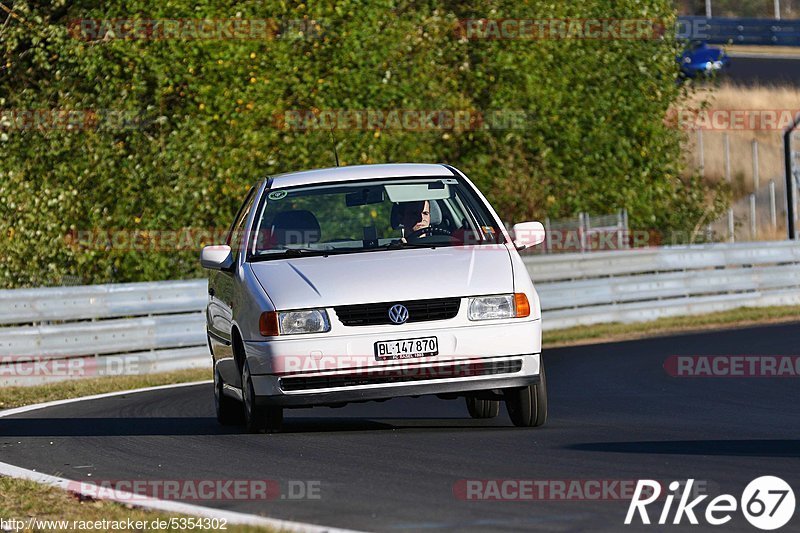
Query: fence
{"points": [[585, 233], [758, 216], [762, 9], [160, 326], [756, 172]]}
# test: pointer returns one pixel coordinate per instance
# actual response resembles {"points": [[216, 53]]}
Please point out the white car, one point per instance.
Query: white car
{"points": [[372, 282]]}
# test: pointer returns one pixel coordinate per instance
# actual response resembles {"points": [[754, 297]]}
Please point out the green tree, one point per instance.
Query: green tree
{"points": [[183, 127]]}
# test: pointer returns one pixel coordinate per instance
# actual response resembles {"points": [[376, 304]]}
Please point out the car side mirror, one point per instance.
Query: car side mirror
{"points": [[527, 234], [217, 257]]}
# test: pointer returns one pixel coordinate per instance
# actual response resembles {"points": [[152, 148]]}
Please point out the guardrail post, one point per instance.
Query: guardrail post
{"points": [[627, 229], [701, 153], [731, 228], [773, 212], [548, 244], [726, 144], [790, 183], [582, 225], [755, 165]]}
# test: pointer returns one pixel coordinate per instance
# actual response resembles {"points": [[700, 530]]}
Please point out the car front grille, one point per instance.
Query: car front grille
{"points": [[399, 375], [378, 313]]}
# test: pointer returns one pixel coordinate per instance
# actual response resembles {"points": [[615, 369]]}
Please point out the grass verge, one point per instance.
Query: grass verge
{"points": [[22, 500], [19, 396], [743, 316]]}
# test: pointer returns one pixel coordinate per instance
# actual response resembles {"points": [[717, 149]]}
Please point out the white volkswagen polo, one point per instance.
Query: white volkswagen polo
{"points": [[372, 282]]}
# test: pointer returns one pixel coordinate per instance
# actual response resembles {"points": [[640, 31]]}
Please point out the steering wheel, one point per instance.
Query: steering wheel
{"points": [[428, 230]]}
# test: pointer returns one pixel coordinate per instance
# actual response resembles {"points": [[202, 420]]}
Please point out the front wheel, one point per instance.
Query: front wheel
{"points": [[482, 408], [258, 419], [527, 406]]}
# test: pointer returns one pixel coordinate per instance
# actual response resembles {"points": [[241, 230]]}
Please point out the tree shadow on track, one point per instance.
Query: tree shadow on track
{"points": [[742, 448]]}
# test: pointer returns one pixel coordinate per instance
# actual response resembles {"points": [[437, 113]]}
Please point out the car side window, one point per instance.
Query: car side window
{"points": [[236, 233]]}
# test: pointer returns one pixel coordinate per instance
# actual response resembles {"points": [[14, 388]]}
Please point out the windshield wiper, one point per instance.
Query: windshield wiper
{"points": [[288, 252], [399, 245]]}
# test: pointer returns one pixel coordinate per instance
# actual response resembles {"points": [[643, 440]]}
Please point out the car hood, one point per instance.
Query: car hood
{"points": [[393, 275]]}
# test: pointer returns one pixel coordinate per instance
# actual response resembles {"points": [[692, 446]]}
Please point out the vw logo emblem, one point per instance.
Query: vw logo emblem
{"points": [[398, 313]]}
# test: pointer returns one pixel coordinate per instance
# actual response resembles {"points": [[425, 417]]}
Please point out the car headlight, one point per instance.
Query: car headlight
{"points": [[499, 306], [274, 323]]}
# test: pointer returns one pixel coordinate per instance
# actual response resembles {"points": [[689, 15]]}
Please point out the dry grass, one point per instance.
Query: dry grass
{"points": [[732, 50], [612, 332], [23, 500], [770, 142], [18, 396]]}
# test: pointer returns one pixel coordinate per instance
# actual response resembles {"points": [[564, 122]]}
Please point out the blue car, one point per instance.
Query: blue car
{"points": [[699, 60]]}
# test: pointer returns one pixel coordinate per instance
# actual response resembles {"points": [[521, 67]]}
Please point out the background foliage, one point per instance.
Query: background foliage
{"points": [[205, 129]]}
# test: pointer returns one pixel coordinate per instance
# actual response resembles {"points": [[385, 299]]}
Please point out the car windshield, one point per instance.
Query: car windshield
{"points": [[372, 215]]}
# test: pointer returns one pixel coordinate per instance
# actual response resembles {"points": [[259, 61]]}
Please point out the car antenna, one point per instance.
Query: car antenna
{"points": [[335, 152]]}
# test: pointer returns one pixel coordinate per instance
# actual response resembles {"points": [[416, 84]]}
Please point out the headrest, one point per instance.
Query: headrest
{"points": [[295, 227]]}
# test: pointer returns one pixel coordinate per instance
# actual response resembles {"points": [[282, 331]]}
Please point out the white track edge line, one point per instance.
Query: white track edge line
{"points": [[138, 500], [53, 403]]}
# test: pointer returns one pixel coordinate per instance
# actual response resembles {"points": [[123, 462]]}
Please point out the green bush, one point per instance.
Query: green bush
{"points": [[188, 125]]}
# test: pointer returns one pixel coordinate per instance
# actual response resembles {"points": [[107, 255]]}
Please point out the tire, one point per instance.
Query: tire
{"points": [[482, 408], [229, 411], [258, 419], [527, 406]]}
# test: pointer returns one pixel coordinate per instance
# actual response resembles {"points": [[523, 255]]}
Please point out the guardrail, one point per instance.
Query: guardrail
{"points": [[98, 330], [158, 326], [647, 284], [753, 31]]}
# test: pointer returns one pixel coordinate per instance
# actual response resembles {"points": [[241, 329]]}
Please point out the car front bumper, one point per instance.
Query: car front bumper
{"points": [[332, 369], [399, 380]]}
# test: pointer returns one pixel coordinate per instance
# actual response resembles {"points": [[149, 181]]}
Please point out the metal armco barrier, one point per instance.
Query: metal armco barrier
{"points": [[100, 330], [741, 30], [647, 284], [158, 326]]}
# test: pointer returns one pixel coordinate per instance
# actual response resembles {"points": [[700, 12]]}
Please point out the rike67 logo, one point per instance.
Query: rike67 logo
{"points": [[767, 502]]}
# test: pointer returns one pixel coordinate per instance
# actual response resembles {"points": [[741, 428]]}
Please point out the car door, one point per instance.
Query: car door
{"points": [[221, 287]]}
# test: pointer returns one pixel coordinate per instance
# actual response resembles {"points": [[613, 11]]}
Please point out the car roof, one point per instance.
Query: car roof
{"points": [[359, 172]]}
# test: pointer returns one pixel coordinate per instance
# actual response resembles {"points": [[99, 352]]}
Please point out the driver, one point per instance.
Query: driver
{"points": [[415, 216]]}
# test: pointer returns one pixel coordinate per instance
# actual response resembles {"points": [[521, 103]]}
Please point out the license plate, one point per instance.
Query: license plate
{"points": [[406, 348]]}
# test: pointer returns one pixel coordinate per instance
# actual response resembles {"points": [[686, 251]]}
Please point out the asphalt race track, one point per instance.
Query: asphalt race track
{"points": [[764, 70], [615, 414]]}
